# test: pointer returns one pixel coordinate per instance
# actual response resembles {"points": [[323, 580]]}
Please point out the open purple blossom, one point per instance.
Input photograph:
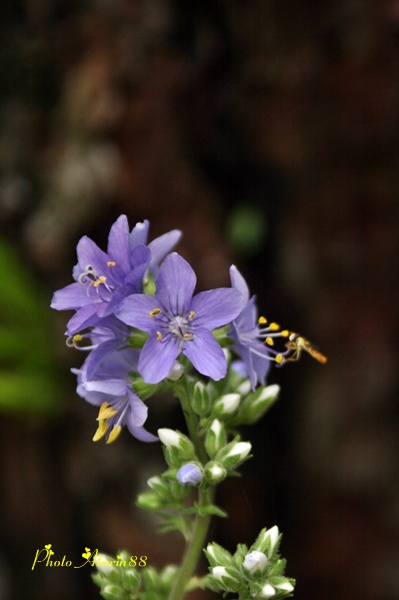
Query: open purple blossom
{"points": [[104, 279], [110, 388], [247, 335], [178, 322]]}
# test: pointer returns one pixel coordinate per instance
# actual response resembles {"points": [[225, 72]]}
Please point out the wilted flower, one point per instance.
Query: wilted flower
{"points": [[178, 322]]}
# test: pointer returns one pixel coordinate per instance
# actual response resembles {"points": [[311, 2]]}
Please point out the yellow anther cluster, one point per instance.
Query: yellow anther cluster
{"points": [[159, 335], [155, 311], [111, 263], [99, 281], [191, 314], [106, 412]]}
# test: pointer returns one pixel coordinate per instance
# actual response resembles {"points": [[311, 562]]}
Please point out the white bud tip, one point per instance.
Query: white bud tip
{"points": [[267, 591], [170, 438], [255, 561]]}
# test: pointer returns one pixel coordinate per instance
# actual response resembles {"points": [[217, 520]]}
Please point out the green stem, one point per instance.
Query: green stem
{"points": [[198, 538], [193, 551]]}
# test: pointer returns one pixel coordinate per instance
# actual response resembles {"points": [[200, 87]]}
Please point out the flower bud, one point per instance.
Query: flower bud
{"points": [[159, 486], [214, 472], [267, 591], [282, 584], [257, 404], [232, 455], [189, 474], [226, 405], [228, 578], [176, 371], [174, 440], [255, 561], [201, 401], [131, 580], [111, 592], [267, 541], [149, 501], [217, 555], [215, 438]]}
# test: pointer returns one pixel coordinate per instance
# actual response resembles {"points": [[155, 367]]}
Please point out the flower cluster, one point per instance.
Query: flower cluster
{"points": [[137, 315], [251, 573]]}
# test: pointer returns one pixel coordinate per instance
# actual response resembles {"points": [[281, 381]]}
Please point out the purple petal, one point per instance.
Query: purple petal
{"points": [[176, 284], [87, 316], [216, 307], [90, 254], [206, 355], [141, 434], [111, 387], [162, 245], [157, 358], [135, 311], [247, 319], [97, 355], [139, 259], [71, 297], [138, 411], [139, 234], [238, 282], [118, 243], [189, 474]]}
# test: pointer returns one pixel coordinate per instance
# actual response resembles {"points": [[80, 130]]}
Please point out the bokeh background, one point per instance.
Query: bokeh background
{"points": [[268, 132]]}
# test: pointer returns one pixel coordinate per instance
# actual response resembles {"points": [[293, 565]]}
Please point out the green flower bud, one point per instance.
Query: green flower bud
{"points": [[267, 591], [256, 405], [214, 472], [226, 405], [215, 438], [217, 555], [159, 486], [149, 501], [234, 454], [282, 584], [131, 580], [267, 541], [228, 579], [112, 592], [201, 401]]}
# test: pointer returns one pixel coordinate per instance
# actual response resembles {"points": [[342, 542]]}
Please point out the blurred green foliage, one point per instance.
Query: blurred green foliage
{"points": [[246, 229], [27, 366]]}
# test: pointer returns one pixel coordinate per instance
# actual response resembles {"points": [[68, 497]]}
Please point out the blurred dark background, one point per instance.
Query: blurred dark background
{"points": [[268, 132]]}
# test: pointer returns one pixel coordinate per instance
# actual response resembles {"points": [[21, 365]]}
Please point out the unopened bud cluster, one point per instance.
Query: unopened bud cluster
{"points": [[254, 573], [126, 583], [115, 577]]}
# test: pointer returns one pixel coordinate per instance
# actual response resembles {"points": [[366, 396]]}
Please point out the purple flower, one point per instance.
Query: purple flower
{"points": [[178, 322], [110, 389], [247, 335], [103, 280], [189, 475]]}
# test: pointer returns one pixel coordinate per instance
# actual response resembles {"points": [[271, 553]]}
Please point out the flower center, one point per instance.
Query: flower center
{"points": [[98, 282]]}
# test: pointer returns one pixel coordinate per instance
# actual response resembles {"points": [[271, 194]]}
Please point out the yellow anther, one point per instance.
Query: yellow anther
{"points": [[285, 333], [111, 263], [99, 281], [269, 341], [106, 411], [101, 431], [159, 335], [279, 359], [114, 434], [262, 321], [154, 312], [77, 338], [274, 327], [191, 314], [188, 336]]}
